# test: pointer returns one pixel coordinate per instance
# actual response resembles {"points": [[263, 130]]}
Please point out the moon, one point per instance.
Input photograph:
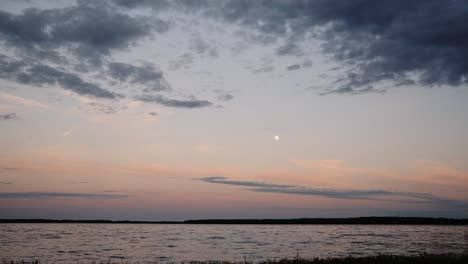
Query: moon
{"points": [[276, 138]]}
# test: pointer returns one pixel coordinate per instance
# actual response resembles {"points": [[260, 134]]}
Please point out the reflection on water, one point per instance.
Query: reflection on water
{"points": [[175, 243]]}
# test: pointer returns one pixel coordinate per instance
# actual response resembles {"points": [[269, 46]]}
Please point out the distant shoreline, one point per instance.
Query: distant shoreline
{"points": [[298, 221]]}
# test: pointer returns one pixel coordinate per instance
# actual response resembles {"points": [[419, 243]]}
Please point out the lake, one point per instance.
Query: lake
{"points": [[176, 243]]}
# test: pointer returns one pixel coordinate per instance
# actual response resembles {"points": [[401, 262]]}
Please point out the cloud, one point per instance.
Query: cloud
{"points": [[225, 97], [8, 116], [10, 168], [207, 149], [57, 46], [264, 69], [378, 195], [191, 103], [378, 40], [223, 180], [101, 108], [36, 195], [90, 30], [44, 74], [293, 67], [22, 100], [202, 47], [146, 75], [289, 49], [183, 61], [78, 182], [375, 41], [404, 42], [158, 4], [2, 182], [37, 74], [152, 113], [67, 133]]}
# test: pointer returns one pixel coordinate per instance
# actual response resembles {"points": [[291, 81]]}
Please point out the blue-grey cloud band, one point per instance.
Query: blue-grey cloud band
{"points": [[378, 195], [35, 195]]}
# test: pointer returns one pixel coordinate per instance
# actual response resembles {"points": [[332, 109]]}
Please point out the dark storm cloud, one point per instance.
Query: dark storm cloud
{"points": [[90, 30], [37, 74], [405, 42], [147, 75], [191, 103], [9, 68], [56, 46], [155, 4], [35, 195], [376, 195], [8, 116], [422, 40], [44, 74]]}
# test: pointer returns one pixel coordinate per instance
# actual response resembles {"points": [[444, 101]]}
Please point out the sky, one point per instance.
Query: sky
{"points": [[184, 109]]}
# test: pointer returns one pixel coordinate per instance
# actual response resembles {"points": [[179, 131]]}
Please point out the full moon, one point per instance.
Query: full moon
{"points": [[276, 138]]}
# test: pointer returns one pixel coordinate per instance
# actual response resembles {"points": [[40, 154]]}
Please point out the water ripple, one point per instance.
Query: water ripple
{"points": [[177, 243]]}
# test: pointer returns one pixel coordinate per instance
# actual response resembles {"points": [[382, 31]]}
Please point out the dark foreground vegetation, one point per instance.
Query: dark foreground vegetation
{"points": [[381, 259], [298, 221]]}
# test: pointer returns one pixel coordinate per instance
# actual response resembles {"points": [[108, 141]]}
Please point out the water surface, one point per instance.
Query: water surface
{"points": [[176, 243]]}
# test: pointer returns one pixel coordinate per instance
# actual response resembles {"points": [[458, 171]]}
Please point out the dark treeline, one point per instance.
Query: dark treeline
{"points": [[340, 221], [299, 221]]}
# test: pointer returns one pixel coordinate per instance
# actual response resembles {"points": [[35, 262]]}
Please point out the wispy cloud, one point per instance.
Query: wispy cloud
{"points": [[3, 182], [169, 102], [10, 168], [147, 75], [102, 108], [224, 180], [78, 182], [207, 149], [378, 195], [225, 97], [23, 101], [8, 116], [67, 133], [293, 67], [35, 195]]}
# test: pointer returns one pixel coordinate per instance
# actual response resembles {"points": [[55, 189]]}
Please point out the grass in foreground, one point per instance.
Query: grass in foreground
{"points": [[381, 259]]}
